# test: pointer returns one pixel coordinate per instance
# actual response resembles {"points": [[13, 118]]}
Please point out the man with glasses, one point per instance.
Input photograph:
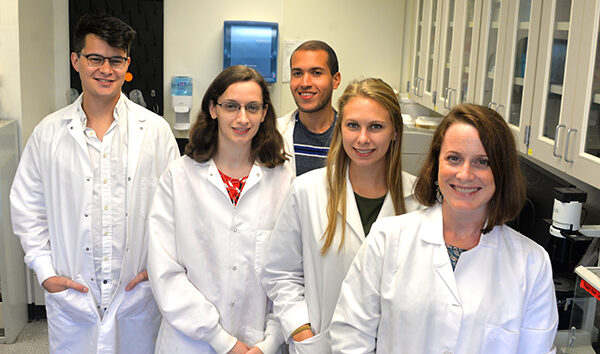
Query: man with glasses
{"points": [[81, 196], [307, 130]]}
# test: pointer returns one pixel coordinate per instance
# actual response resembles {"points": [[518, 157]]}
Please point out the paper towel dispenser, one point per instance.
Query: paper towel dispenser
{"points": [[252, 44]]}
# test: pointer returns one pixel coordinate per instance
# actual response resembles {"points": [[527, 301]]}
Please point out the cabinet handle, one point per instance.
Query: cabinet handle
{"points": [[450, 97], [408, 86], [416, 83], [498, 108], [492, 105], [567, 144], [446, 97], [556, 139]]}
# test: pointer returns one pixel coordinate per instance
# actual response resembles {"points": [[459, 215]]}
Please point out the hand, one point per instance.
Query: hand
{"points": [[142, 276], [254, 350], [239, 348], [57, 284], [299, 337]]}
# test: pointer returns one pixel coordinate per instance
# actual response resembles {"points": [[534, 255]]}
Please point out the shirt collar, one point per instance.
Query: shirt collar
{"points": [[118, 112]]}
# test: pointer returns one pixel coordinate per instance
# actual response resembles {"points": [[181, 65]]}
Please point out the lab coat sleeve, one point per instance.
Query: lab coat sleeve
{"points": [[28, 211], [283, 273], [357, 313], [540, 320], [180, 302], [273, 336]]}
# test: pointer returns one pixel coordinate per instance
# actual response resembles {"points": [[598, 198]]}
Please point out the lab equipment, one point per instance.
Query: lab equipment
{"points": [[582, 336], [181, 94], [252, 44], [136, 96], [566, 214]]}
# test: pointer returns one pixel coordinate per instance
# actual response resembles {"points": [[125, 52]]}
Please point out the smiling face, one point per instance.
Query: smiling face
{"points": [[465, 177], [236, 129], [367, 132], [103, 82], [311, 82]]}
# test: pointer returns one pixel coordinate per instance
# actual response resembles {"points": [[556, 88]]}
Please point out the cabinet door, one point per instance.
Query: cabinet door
{"points": [[555, 82], [518, 74], [445, 55], [464, 60], [425, 63], [582, 143], [493, 18]]}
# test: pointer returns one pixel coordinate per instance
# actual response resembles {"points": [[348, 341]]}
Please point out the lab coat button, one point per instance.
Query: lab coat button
{"points": [[104, 155], [234, 268], [106, 207], [87, 249], [105, 181], [86, 215], [106, 259], [235, 229], [87, 179], [104, 281], [129, 179]]}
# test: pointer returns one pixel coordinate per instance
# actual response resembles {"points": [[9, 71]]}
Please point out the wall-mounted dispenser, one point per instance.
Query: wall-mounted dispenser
{"points": [[253, 44], [181, 95]]}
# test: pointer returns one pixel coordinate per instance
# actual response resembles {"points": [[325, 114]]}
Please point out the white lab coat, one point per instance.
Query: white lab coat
{"points": [[286, 125], [206, 257], [51, 204], [303, 284], [401, 295]]}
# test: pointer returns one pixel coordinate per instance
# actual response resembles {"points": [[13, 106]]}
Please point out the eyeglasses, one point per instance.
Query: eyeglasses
{"points": [[234, 107], [96, 60]]}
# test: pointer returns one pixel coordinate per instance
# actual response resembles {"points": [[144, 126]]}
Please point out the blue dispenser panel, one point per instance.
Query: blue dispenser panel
{"points": [[253, 44]]}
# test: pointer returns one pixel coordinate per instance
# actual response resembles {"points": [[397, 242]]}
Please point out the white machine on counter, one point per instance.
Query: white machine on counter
{"points": [[566, 214], [181, 94]]}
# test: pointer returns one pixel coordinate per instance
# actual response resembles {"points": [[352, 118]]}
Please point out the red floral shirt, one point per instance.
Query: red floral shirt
{"points": [[234, 186]]}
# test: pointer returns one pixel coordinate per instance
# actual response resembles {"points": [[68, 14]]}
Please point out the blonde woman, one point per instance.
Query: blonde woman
{"points": [[329, 213]]}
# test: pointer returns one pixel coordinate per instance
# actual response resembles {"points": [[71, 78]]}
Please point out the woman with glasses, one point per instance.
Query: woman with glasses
{"points": [[329, 213], [211, 215]]}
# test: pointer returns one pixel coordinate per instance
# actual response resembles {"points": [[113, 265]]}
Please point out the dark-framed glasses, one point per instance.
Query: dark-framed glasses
{"points": [[234, 107], [96, 60]]}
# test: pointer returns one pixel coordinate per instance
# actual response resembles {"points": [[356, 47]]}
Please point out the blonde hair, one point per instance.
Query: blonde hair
{"points": [[338, 160]]}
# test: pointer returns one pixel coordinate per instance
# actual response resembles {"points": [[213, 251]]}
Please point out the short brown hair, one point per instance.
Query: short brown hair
{"points": [[267, 144], [110, 29], [500, 146]]}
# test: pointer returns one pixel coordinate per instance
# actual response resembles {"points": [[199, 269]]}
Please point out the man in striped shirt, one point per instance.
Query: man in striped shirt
{"points": [[307, 131]]}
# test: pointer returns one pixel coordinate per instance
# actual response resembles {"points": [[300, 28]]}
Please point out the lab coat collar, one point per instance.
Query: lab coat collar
{"points": [[353, 216], [255, 175], [433, 230]]}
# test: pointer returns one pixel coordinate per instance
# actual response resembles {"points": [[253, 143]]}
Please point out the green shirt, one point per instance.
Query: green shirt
{"points": [[369, 210]]}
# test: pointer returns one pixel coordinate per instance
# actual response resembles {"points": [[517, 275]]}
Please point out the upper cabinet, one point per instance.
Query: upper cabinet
{"points": [[445, 75], [565, 125], [536, 62]]}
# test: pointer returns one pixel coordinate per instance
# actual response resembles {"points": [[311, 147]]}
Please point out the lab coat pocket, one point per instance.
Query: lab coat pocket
{"points": [[138, 303], [319, 344], [138, 320], [148, 186], [499, 340], [262, 236], [70, 308]]}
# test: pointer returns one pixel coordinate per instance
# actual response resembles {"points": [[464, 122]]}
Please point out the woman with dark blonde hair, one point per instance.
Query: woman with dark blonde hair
{"points": [[329, 213], [453, 277], [210, 219]]}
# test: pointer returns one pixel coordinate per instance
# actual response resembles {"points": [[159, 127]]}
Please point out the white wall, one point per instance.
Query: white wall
{"points": [[10, 74], [36, 42], [27, 64], [367, 37]]}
